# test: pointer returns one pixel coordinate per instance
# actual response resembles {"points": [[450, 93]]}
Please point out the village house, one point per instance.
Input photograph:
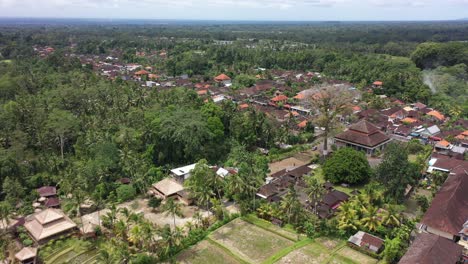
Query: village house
{"points": [[223, 79], [363, 136], [431, 249], [330, 203], [48, 196], [48, 224], [278, 183], [27, 255], [449, 209], [377, 85], [169, 188], [182, 173], [366, 242]]}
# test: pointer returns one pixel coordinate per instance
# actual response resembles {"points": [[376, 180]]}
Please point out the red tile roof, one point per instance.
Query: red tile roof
{"points": [[368, 239], [449, 208], [222, 77], [436, 114], [432, 249], [46, 191], [279, 98], [52, 202], [142, 72], [243, 106], [302, 124], [378, 83], [202, 92]]}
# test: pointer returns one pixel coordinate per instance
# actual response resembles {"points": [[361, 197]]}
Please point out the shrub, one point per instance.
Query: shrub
{"points": [[154, 202], [423, 202], [125, 193]]}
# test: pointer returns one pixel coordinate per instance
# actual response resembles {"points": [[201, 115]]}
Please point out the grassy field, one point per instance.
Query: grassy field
{"points": [[207, 252], [252, 240], [252, 243]]}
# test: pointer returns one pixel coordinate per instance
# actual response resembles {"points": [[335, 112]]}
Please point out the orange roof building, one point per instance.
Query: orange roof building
{"points": [[222, 77], [409, 120], [153, 76], [378, 83], [302, 124], [279, 98], [243, 106], [141, 72], [437, 115], [299, 96], [444, 143], [202, 92]]}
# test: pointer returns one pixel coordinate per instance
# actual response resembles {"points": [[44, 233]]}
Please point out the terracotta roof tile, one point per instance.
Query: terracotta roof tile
{"points": [[449, 208], [432, 249]]}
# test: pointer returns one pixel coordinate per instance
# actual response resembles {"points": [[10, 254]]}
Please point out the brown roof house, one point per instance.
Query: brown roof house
{"points": [[27, 255], [47, 224], [432, 249], [367, 242], [47, 191], [363, 136], [330, 202], [170, 188], [449, 209]]}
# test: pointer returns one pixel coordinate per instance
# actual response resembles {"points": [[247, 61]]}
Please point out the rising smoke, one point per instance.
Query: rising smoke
{"points": [[428, 79]]}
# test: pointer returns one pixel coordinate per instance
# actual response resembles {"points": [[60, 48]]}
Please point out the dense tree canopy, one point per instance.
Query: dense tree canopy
{"points": [[347, 165], [396, 172]]}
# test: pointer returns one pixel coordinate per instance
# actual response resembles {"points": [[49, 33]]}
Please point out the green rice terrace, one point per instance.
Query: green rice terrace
{"points": [[71, 251], [252, 240]]}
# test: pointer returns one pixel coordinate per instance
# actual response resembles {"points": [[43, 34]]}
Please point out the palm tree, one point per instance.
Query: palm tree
{"points": [[371, 219], [110, 217], [135, 235], [120, 229], [171, 207], [189, 225], [198, 218], [314, 191], [348, 218], [390, 216]]}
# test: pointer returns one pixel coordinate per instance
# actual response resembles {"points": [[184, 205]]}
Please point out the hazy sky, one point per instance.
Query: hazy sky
{"points": [[240, 9]]}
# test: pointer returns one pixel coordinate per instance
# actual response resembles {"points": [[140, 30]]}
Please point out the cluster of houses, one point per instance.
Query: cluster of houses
{"points": [[173, 186]]}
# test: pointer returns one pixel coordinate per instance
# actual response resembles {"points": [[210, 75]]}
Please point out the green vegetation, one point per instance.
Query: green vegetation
{"points": [[347, 165], [396, 172]]}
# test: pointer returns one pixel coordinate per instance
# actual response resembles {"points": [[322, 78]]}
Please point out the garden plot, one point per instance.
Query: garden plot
{"points": [[205, 252], [313, 253], [347, 253], [248, 241]]}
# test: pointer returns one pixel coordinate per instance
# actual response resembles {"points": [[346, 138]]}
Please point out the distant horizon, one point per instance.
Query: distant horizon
{"points": [[216, 20], [240, 10]]}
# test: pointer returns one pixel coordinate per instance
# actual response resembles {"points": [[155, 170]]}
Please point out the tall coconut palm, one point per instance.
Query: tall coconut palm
{"points": [[391, 216], [198, 219], [135, 235], [171, 207], [314, 192], [371, 219]]}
